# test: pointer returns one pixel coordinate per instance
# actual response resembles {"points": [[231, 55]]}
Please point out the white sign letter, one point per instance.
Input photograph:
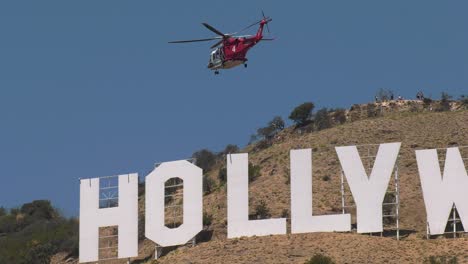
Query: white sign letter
{"points": [[441, 193], [125, 216], [302, 220], [192, 197], [369, 192], [238, 203]]}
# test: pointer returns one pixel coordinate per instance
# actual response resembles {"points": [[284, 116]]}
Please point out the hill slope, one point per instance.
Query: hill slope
{"points": [[416, 130]]}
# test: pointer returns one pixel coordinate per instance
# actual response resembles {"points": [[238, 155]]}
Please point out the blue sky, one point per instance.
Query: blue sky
{"points": [[91, 88]]}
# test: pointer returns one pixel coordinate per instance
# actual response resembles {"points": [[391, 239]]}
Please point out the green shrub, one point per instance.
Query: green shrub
{"points": [[326, 178], [261, 210], [230, 148], [444, 104], [441, 260], [427, 102], [339, 115], [372, 110], [322, 119], [208, 184], [3, 211], [262, 144], [274, 126], [222, 175], [464, 101], [320, 259], [277, 123], [39, 234], [301, 114], [207, 219]]}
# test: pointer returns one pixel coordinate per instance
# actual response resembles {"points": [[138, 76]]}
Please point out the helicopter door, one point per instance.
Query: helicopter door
{"points": [[217, 56]]}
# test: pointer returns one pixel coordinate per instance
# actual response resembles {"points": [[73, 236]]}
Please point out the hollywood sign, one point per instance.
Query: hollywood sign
{"points": [[440, 192]]}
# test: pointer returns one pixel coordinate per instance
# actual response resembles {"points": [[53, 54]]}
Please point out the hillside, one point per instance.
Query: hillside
{"points": [[409, 122]]}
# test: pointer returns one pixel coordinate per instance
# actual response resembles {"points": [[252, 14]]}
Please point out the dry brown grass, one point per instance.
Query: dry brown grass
{"points": [[414, 130]]}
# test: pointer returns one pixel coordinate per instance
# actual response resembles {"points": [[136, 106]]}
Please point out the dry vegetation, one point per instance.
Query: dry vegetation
{"points": [[415, 129]]}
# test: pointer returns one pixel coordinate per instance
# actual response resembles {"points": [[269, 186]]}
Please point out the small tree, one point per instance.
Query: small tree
{"points": [[253, 139], [322, 119], [273, 127], [277, 123], [204, 159], [267, 132], [230, 148], [302, 113], [39, 209]]}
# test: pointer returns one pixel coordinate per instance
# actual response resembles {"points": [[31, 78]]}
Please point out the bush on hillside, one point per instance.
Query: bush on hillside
{"points": [[427, 102], [267, 132], [204, 159], [301, 114], [441, 260], [322, 119], [464, 101], [339, 115], [444, 104], [261, 210], [40, 209], [277, 123], [273, 127], [262, 144], [3, 211], [254, 172], [207, 219], [372, 110], [320, 259], [222, 175], [230, 148], [208, 185], [35, 232]]}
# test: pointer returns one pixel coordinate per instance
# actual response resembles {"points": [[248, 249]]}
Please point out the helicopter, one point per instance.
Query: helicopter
{"points": [[231, 50]]}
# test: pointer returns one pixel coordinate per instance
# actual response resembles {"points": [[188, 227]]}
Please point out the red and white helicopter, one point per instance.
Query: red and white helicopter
{"points": [[230, 51]]}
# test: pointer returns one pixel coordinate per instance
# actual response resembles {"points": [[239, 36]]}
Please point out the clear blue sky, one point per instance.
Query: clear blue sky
{"points": [[91, 88]]}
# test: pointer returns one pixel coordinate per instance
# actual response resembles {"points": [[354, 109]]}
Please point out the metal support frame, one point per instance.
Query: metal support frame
{"points": [[369, 161]]}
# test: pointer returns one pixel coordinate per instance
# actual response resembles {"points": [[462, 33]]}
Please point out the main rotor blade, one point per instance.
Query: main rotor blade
{"points": [[194, 40], [214, 29], [217, 44]]}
